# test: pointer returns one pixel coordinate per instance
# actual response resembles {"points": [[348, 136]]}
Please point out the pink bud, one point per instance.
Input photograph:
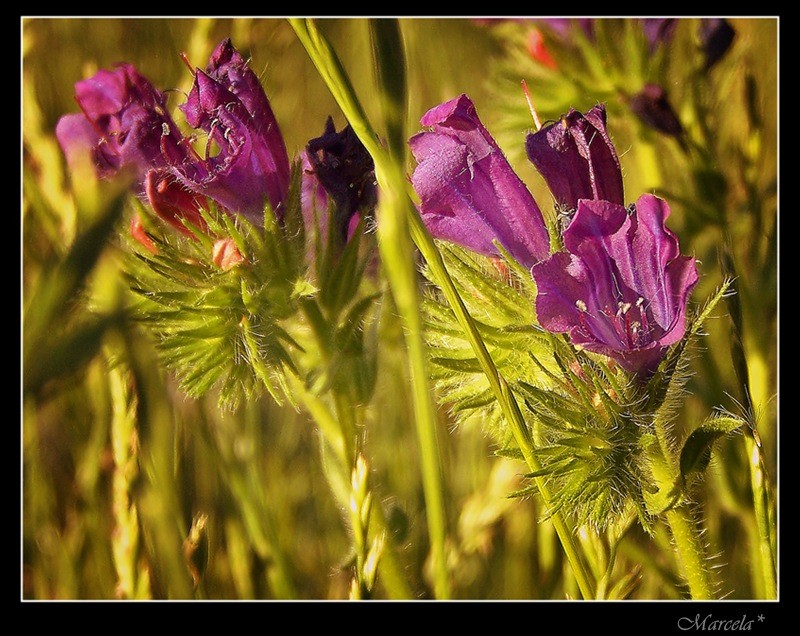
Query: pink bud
{"points": [[537, 49], [225, 254]]}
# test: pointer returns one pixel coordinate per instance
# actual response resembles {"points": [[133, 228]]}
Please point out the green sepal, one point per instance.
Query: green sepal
{"points": [[342, 278], [225, 329]]}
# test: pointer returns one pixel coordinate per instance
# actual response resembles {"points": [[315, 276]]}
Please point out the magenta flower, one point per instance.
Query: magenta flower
{"points": [[658, 30], [577, 159], [469, 193], [621, 287], [125, 126], [716, 35]]}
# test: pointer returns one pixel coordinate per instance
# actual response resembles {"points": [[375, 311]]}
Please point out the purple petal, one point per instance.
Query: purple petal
{"points": [[246, 172], [598, 234], [78, 139], [228, 67], [469, 192], [577, 158], [561, 282], [653, 246], [621, 288]]}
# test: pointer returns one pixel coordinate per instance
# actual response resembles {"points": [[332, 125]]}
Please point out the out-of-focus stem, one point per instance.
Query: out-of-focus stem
{"points": [[331, 429], [133, 580], [761, 503], [396, 254]]}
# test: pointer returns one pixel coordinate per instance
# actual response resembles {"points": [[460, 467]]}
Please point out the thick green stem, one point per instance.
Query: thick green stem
{"points": [[691, 552], [684, 527]]}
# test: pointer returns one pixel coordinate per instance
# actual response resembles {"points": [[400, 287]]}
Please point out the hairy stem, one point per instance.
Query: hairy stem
{"points": [[691, 552]]}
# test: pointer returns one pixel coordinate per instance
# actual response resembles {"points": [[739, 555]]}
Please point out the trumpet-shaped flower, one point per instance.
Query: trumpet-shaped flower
{"points": [[469, 193], [621, 287]]}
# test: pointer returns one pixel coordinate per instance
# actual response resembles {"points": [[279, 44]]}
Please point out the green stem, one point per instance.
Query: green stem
{"points": [[691, 552], [396, 255], [390, 569], [761, 502], [392, 181]]}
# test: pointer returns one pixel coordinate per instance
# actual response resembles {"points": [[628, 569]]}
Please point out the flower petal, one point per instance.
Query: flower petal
{"points": [[469, 192], [577, 158]]}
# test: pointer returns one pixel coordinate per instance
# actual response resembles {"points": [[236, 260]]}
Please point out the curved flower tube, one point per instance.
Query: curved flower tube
{"points": [[252, 166]]}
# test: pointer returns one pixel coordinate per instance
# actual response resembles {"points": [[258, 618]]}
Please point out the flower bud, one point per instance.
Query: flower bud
{"points": [[225, 254], [653, 108]]}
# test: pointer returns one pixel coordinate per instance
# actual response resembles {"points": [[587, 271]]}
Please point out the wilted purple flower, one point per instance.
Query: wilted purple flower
{"points": [[652, 106], [336, 166], [577, 159], [124, 123], [563, 26], [469, 193], [252, 166], [717, 35], [125, 126], [656, 30], [621, 287]]}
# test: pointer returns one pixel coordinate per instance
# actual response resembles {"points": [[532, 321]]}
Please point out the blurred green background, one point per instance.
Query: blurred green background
{"points": [[115, 472]]}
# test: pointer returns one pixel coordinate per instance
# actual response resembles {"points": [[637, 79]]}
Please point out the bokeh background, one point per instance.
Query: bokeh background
{"points": [[209, 504]]}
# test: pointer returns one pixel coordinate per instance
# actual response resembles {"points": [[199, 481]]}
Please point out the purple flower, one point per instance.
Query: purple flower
{"points": [[717, 35], [653, 108], [563, 26], [336, 166], [252, 166], [658, 30], [577, 159], [125, 126], [469, 193], [621, 287]]}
